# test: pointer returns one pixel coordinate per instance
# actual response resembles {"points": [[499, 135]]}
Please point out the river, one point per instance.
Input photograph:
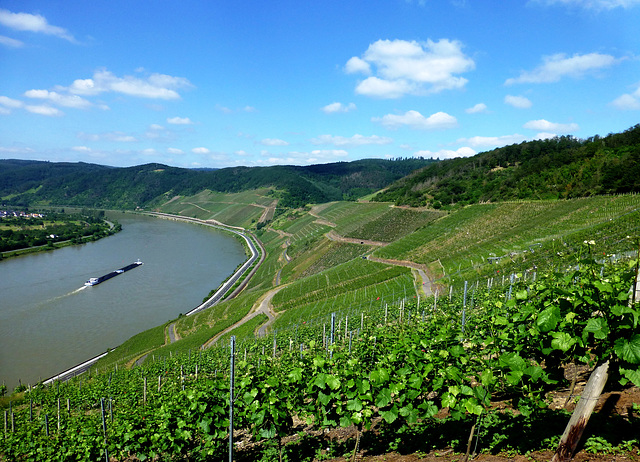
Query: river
{"points": [[49, 321]]}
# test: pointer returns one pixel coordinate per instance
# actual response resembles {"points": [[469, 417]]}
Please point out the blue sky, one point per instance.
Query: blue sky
{"points": [[225, 83]]}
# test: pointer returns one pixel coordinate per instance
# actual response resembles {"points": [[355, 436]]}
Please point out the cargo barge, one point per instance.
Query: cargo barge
{"points": [[98, 280]]}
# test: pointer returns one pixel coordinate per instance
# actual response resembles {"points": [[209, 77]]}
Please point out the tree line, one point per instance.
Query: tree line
{"points": [[558, 168], [22, 232]]}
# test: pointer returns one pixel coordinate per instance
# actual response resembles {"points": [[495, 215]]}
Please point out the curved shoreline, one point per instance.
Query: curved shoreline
{"points": [[218, 294], [215, 298]]}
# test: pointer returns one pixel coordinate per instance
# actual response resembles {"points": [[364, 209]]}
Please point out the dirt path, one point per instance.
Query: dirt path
{"points": [[196, 205], [332, 235], [316, 209], [423, 280], [262, 306], [269, 211]]}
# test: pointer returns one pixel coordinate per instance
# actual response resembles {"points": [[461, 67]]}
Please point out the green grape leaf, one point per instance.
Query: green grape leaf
{"points": [[598, 327], [390, 416], [628, 350], [632, 374], [383, 398], [548, 319], [473, 407], [562, 341]]}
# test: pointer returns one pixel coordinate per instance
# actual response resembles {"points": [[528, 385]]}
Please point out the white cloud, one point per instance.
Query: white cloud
{"points": [[155, 86], [415, 120], [380, 88], [179, 121], [116, 136], [200, 151], [357, 65], [404, 67], [10, 103], [156, 127], [338, 107], [84, 149], [324, 153], [518, 101], [175, 151], [223, 109], [16, 150], [593, 4], [274, 142], [628, 101], [317, 156], [73, 101], [478, 108], [544, 136], [355, 140], [485, 142], [446, 153], [10, 42], [551, 126], [228, 110], [44, 110], [557, 66], [32, 23]]}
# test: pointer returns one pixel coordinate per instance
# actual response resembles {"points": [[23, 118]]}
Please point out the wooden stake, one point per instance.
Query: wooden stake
{"points": [[582, 412]]}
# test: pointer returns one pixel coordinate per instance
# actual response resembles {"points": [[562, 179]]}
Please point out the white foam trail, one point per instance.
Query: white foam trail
{"points": [[65, 295]]}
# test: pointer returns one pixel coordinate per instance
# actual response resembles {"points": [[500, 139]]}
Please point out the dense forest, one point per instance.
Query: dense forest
{"points": [[556, 168], [24, 183]]}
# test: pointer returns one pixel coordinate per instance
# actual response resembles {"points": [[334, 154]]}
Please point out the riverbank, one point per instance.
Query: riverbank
{"points": [[52, 244], [229, 288], [50, 321]]}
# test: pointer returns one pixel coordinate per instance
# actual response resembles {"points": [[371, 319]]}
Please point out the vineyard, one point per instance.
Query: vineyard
{"points": [[474, 371], [239, 208], [531, 296], [472, 235]]}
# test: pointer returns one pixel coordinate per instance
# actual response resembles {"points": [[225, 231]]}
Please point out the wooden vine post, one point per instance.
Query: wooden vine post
{"points": [[582, 412]]}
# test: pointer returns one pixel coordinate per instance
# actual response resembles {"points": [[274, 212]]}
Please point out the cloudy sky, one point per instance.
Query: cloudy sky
{"points": [[243, 82]]}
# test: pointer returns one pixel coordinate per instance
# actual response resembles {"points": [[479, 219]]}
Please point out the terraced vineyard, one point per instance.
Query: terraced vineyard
{"points": [[474, 234], [402, 363], [240, 209], [344, 279], [394, 224], [438, 370]]}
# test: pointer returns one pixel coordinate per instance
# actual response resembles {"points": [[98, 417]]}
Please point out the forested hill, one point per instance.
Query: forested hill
{"points": [[24, 183], [562, 167]]}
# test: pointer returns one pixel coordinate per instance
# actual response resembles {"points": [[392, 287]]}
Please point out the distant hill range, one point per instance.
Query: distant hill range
{"points": [[25, 182], [561, 167]]}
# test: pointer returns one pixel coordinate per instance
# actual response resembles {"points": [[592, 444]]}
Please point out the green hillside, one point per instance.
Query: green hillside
{"points": [[25, 183], [420, 322], [355, 345], [559, 168]]}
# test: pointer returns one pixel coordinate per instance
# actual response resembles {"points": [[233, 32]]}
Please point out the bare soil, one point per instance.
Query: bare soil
{"points": [[613, 403]]}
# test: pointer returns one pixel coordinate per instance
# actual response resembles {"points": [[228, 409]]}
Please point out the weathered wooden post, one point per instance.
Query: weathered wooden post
{"points": [[582, 412]]}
